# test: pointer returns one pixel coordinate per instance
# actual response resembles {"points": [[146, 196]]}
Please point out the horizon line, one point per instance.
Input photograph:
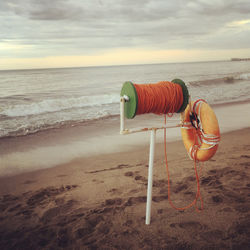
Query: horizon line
{"points": [[116, 65]]}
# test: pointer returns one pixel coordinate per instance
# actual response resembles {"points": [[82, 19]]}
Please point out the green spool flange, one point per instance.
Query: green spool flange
{"points": [[130, 107], [185, 94]]}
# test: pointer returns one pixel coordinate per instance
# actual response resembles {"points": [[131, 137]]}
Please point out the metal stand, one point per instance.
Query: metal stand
{"points": [[150, 176], [124, 131]]}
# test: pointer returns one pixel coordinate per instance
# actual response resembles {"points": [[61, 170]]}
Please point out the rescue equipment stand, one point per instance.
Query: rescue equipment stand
{"points": [[124, 131], [167, 98]]}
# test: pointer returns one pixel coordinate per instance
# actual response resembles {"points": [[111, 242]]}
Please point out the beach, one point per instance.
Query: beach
{"points": [[69, 180], [99, 202], [124, 125]]}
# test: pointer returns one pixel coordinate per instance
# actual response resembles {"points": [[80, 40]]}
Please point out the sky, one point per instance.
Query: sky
{"points": [[75, 33]]}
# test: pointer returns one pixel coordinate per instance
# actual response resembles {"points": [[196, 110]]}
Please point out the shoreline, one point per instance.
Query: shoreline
{"points": [[172, 146], [44, 149]]}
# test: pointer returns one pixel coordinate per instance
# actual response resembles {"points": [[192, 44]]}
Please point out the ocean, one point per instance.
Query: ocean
{"points": [[42, 99]]}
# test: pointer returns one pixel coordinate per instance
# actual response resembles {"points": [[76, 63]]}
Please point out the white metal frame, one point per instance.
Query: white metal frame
{"points": [[124, 131]]}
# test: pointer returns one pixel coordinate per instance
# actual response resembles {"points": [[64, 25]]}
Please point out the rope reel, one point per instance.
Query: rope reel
{"points": [[158, 98]]}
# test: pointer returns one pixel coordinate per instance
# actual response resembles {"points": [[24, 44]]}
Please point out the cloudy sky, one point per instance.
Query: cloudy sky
{"points": [[67, 33]]}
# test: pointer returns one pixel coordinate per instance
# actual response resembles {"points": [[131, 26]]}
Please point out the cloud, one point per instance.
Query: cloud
{"points": [[41, 10], [76, 27]]}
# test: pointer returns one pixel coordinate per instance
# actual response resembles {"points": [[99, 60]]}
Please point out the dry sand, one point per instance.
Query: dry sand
{"points": [[99, 202]]}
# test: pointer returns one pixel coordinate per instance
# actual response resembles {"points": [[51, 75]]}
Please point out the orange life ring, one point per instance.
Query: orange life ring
{"points": [[200, 131]]}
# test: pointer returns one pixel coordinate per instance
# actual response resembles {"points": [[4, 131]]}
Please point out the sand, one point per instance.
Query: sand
{"points": [[99, 202]]}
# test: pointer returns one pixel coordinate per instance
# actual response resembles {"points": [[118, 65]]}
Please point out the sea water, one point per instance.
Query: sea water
{"points": [[51, 116], [40, 99]]}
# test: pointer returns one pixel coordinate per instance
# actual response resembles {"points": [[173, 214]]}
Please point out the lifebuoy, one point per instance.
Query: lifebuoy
{"points": [[200, 131]]}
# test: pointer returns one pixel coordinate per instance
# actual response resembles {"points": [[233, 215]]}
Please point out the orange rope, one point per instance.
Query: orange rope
{"points": [[165, 98], [159, 98], [198, 193]]}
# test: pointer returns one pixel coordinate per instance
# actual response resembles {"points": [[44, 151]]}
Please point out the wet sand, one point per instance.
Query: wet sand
{"points": [[99, 202]]}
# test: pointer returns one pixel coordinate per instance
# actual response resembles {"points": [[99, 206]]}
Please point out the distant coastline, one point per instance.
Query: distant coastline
{"points": [[240, 59]]}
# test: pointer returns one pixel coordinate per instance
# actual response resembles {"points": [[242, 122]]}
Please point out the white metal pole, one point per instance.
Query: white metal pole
{"points": [[150, 176], [122, 101]]}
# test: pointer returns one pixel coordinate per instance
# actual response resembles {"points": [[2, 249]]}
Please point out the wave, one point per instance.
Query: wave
{"points": [[55, 105], [230, 79], [244, 76], [27, 129]]}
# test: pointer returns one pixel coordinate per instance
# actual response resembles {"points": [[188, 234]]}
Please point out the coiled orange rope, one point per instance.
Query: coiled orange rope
{"points": [[159, 98]]}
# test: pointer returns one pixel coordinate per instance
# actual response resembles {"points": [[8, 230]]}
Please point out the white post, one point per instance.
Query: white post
{"points": [[122, 101], [150, 176]]}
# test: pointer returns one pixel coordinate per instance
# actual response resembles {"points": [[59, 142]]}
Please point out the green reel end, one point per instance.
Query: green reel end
{"points": [[185, 94], [130, 106]]}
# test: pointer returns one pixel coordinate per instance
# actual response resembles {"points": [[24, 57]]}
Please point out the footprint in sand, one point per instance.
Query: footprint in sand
{"points": [[93, 224], [53, 212], [211, 180], [29, 182], [189, 225], [212, 235], [44, 194], [135, 200], [120, 166], [246, 156], [134, 191], [217, 199], [128, 223], [97, 181], [189, 179], [226, 209], [61, 175], [111, 202], [160, 183], [16, 207], [189, 193], [163, 190], [130, 173], [104, 227], [179, 188], [139, 164], [140, 178], [8, 201], [159, 198], [160, 211], [115, 191], [136, 176]]}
